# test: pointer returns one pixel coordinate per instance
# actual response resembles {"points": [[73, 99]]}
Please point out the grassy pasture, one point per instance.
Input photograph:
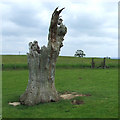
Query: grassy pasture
{"points": [[20, 62], [102, 84]]}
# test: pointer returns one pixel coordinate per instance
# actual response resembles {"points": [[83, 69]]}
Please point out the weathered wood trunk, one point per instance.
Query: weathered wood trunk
{"points": [[42, 62]]}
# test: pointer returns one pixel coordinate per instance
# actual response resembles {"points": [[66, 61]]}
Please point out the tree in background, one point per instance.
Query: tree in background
{"points": [[79, 53]]}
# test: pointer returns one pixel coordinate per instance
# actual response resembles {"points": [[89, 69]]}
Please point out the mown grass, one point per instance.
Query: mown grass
{"points": [[20, 62], [102, 84]]}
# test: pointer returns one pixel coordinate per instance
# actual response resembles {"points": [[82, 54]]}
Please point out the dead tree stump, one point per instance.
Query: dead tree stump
{"points": [[42, 62]]}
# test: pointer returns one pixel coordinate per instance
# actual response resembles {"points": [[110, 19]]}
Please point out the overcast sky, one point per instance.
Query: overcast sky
{"points": [[92, 25]]}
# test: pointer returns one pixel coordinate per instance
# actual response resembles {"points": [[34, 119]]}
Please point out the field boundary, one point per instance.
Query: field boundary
{"points": [[58, 66]]}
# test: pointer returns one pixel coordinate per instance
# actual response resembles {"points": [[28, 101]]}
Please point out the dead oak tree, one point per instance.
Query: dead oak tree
{"points": [[42, 62]]}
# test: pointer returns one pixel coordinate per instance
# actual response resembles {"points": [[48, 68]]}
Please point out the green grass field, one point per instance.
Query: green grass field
{"points": [[20, 62], [101, 84]]}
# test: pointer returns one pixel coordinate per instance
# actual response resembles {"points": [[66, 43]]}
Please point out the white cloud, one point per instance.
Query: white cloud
{"points": [[92, 25]]}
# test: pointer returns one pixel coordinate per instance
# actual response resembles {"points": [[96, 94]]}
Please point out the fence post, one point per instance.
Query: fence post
{"points": [[93, 63], [104, 62], [2, 66]]}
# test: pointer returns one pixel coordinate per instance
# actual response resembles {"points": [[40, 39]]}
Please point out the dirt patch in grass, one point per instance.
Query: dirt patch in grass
{"points": [[77, 102], [68, 95], [80, 78]]}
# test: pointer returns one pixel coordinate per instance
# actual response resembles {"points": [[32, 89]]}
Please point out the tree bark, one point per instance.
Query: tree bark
{"points": [[42, 62]]}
